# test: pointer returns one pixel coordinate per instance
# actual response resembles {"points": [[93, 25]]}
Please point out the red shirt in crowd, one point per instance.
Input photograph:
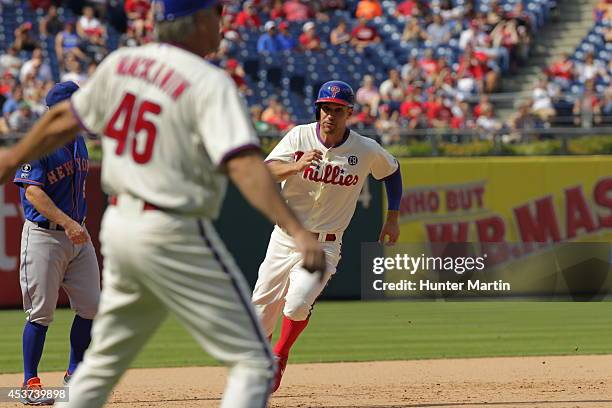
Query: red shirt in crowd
{"points": [[411, 109], [296, 11], [141, 7], [309, 43], [244, 19], [364, 33], [562, 69], [406, 8], [429, 66], [44, 4]]}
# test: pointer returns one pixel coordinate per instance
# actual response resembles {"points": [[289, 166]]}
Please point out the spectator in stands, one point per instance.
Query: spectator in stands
{"points": [[438, 115], [67, 42], [587, 108], [233, 68], [368, 9], [475, 63], [129, 38], [297, 10], [137, 9], [248, 17], [438, 32], [407, 8], [331, 5], [277, 12], [73, 72], [88, 24], [10, 61], [12, 102], [520, 121], [368, 93], [362, 118], [466, 86], [278, 117], [272, 107], [24, 37], [461, 116], [562, 70], [483, 104], [285, 38], [542, 105], [429, 64], [42, 4], [589, 70], [50, 24], [411, 70], [412, 110], [392, 91], [413, 35], [269, 42], [309, 40], [363, 35], [448, 12], [22, 119], [228, 30], [387, 126], [488, 124], [258, 123], [340, 35], [36, 64]]}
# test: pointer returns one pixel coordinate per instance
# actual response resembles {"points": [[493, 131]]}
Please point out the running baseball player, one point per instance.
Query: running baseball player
{"points": [[56, 250], [172, 124], [322, 167]]}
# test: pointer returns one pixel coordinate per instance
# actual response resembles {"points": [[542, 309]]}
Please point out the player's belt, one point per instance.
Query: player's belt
{"points": [[112, 200], [49, 225], [323, 237]]}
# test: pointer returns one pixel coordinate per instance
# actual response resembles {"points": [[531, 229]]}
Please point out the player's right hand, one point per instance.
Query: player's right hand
{"points": [[310, 158], [312, 253], [76, 233]]}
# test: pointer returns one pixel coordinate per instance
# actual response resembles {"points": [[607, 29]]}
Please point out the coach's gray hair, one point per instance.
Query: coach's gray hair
{"points": [[177, 30]]}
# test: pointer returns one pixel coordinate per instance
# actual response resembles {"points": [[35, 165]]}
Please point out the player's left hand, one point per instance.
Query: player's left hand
{"points": [[7, 170], [391, 231]]}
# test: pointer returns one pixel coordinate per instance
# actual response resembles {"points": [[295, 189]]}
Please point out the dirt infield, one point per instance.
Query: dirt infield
{"points": [[556, 382]]}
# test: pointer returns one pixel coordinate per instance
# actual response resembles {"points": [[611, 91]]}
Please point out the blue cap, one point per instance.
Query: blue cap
{"points": [[336, 92], [168, 10], [60, 92]]}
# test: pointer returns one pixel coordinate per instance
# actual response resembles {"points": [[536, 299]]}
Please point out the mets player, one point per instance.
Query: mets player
{"points": [[172, 124], [56, 250], [322, 167]]}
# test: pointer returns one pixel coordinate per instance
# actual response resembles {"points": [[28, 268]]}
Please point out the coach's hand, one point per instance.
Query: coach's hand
{"points": [[312, 253], [310, 158], [77, 234]]}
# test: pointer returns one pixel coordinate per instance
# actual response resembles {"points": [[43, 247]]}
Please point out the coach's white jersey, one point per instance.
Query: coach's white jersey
{"points": [[168, 120], [324, 197]]}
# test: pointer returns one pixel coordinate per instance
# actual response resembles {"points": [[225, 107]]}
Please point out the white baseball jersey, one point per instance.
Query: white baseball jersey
{"points": [[324, 197], [174, 118]]}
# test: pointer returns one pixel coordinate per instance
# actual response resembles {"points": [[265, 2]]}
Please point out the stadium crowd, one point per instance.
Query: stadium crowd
{"points": [[458, 52]]}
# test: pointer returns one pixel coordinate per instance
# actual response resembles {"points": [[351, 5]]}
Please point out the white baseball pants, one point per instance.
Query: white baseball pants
{"points": [[156, 262], [283, 285]]}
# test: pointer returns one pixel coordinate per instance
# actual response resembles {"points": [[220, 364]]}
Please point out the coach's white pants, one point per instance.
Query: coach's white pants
{"points": [[154, 262], [283, 285]]}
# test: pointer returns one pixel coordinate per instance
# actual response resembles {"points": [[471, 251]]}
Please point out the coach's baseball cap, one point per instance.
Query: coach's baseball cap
{"points": [[60, 92], [168, 10]]}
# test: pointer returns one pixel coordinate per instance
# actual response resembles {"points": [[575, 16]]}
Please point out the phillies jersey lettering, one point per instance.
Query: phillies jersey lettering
{"points": [[330, 174], [167, 131], [62, 176], [325, 196]]}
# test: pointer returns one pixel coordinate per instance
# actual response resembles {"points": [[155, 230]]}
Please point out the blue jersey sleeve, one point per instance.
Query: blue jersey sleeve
{"points": [[34, 173]]}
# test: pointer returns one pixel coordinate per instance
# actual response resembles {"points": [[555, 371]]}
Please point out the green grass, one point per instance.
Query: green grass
{"points": [[362, 331]]}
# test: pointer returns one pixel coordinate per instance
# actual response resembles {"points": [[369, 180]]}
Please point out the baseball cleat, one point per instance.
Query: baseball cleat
{"points": [[34, 386], [67, 377], [281, 364]]}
